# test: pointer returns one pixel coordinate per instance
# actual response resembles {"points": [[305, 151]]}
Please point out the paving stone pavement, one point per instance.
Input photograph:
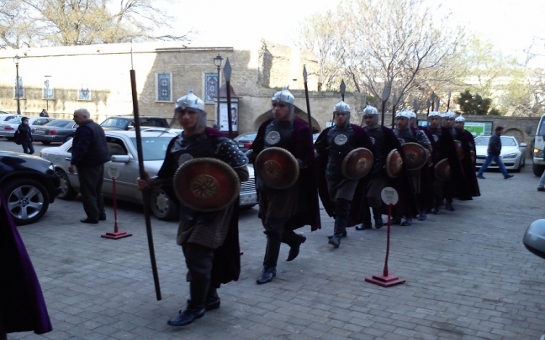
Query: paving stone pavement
{"points": [[468, 277]]}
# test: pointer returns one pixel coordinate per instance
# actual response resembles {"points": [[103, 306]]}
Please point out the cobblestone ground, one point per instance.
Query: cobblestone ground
{"points": [[468, 277]]}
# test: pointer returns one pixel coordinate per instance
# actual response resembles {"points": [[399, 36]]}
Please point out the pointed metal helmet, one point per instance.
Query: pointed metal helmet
{"points": [[403, 114], [411, 114], [370, 110], [190, 101], [434, 114], [285, 97], [449, 115], [460, 118], [342, 107]]}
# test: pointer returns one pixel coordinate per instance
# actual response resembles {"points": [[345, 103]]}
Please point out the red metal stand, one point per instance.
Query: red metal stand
{"points": [[386, 280], [116, 234]]}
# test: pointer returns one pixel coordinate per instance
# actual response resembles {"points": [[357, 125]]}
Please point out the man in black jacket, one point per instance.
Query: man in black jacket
{"points": [[89, 153], [494, 150]]}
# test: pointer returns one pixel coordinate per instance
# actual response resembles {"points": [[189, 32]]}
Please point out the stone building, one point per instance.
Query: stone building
{"points": [[97, 77]]}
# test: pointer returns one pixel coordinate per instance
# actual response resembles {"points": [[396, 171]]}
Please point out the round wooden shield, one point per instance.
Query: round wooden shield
{"points": [[442, 170], [206, 184], [459, 149], [277, 168], [394, 164], [416, 155], [357, 163]]}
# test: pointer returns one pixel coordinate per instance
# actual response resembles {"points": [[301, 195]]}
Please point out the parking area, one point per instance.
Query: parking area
{"points": [[467, 274]]}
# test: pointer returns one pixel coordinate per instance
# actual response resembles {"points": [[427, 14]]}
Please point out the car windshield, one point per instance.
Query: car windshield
{"points": [[508, 141], [119, 123], [505, 141], [59, 123], [15, 121], [482, 140], [154, 148], [250, 137]]}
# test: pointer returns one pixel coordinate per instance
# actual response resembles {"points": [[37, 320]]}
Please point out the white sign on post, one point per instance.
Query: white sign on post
{"points": [[113, 172], [389, 196]]}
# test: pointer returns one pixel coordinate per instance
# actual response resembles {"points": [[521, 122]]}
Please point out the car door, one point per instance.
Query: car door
{"points": [[125, 183]]}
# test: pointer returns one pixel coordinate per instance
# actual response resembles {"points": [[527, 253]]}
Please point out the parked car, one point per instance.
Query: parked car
{"points": [[124, 158], [7, 129], [245, 140], [56, 131], [127, 122], [5, 116], [512, 153], [29, 185]]}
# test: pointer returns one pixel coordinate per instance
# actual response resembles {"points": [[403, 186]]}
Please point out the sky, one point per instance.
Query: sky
{"points": [[509, 25]]}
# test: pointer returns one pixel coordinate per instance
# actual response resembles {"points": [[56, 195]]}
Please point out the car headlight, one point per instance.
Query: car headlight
{"points": [[509, 155], [538, 153]]}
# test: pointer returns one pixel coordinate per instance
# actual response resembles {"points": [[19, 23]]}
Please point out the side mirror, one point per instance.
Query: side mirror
{"points": [[523, 145], [534, 238], [120, 158]]}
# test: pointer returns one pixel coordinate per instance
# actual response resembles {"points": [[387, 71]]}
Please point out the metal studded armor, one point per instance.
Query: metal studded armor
{"points": [[340, 142], [378, 139]]}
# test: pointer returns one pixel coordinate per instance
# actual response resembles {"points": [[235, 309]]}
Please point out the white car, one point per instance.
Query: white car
{"points": [[124, 159], [8, 128], [512, 153]]}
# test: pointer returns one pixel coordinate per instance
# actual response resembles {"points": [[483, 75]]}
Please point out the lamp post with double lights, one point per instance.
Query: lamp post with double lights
{"points": [[218, 60], [17, 90]]}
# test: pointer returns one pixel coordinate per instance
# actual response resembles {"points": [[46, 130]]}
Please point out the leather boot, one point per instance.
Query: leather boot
{"points": [[266, 275], [196, 306], [366, 223], [449, 207], [435, 210], [294, 241], [212, 299], [271, 258], [377, 216], [339, 230], [408, 221]]}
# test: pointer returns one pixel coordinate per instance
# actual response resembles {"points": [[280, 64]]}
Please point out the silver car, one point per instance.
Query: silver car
{"points": [[124, 162], [8, 128], [512, 153]]}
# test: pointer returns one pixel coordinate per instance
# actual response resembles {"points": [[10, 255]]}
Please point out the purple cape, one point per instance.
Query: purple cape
{"points": [[22, 305]]}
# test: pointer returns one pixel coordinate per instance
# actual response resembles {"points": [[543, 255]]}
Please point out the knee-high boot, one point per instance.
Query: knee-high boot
{"points": [[212, 298], [196, 305], [366, 224], [293, 240], [271, 258]]}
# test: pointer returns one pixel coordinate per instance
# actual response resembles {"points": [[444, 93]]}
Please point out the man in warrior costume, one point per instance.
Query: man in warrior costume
{"points": [[337, 191], [444, 148], [209, 240], [426, 172], [464, 192], [405, 134], [284, 210], [384, 141], [468, 163]]}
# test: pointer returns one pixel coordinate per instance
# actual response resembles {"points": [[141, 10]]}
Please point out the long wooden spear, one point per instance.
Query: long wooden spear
{"points": [[307, 96], [145, 192]]}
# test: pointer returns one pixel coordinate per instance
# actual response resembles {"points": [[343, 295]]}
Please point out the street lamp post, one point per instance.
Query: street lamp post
{"points": [[218, 61], [17, 92]]}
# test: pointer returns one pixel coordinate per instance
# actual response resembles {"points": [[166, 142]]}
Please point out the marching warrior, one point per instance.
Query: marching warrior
{"points": [[336, 190], [468, 163], [282, 210], [405, 134], [209, 240]]}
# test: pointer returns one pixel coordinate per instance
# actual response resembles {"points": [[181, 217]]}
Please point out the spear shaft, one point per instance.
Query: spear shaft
{"points": [[307, 97]]}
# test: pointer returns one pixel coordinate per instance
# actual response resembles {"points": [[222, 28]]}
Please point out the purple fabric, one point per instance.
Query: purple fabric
{"points": [[22, 305]]}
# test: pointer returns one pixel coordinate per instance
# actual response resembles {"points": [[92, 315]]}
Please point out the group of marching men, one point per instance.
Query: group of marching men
{"points": [[347, 168]]}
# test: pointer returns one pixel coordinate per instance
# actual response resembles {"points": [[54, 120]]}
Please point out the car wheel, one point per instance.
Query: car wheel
{"points": [[27, 200], [46, 142], [538, 170], [162, 206], [68, 191]]}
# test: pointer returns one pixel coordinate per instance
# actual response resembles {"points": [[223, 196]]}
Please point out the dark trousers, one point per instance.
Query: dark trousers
{"points": [[28, 147], [198, 260], [90, 181]]}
